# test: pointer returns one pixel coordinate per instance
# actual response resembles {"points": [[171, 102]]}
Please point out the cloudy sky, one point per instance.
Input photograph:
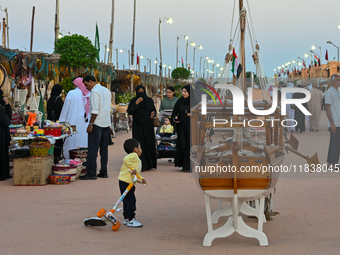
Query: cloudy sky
{"points": [[284, 30]]}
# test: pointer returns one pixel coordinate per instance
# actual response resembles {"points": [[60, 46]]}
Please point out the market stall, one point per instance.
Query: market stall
{"points": [[32, 156]]}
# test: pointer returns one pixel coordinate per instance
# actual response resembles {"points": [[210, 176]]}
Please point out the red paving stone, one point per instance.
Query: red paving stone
{"points": [[49, 219]]}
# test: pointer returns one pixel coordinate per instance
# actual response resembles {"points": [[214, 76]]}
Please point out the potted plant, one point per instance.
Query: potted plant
{"points": [[122, 100]]}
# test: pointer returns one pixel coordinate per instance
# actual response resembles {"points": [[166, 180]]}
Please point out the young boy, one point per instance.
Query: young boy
{"points": [[131, 161]]}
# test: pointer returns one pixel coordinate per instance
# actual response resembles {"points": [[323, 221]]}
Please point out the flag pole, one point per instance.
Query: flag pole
{"points": [[32, 27], [56, 25], [109, 60]]}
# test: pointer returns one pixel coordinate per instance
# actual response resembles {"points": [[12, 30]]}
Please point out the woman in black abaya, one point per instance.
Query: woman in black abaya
{"points": [[181, 116], [299, 115], [55, 103], [143, 110], [5, 138], [54, 107]]}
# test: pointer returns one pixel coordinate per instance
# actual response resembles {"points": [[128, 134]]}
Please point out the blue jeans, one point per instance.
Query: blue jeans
{"points": [[99, 138]]}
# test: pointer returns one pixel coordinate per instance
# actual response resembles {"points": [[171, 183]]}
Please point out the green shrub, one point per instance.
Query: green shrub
{"points": [[180, 73], [67, 84], [123, 98], [76, 51]]}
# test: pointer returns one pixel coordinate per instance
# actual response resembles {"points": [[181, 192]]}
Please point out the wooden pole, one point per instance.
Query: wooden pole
{"points": [[160, 48], [111, 32], [133, 44], [133, 32], [32, 27], [242, 47], [4, 32], [56, 25], [8, 28]]}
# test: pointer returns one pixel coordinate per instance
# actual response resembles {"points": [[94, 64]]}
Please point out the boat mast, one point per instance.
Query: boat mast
{"points": [[242, 48]]}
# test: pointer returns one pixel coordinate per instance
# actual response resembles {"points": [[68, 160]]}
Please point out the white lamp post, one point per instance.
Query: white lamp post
{"points": [[186, 37], [168, 20]]}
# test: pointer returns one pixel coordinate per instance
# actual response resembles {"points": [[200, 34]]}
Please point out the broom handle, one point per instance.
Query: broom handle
{"points": [[123, 195]]}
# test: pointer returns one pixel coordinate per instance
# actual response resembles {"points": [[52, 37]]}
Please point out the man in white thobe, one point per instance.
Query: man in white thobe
{"points": [[74, 112], [314, 107]]}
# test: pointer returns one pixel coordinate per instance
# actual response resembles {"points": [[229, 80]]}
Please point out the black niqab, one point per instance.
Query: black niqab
{"points": [[142, 127], [2, 102], [186, 101]]}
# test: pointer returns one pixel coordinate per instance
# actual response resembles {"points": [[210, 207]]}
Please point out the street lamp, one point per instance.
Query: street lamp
{"points": [[156, 66], [205, 57], [62, 35], [335, 46], [209, 61], [313, 48], [105, 46], [122, 50], [186, 54], [186, 37], [200, 48], [164, 70], [116, 49], [168, 20], [303, 61], [217, 68], [147, 61]]}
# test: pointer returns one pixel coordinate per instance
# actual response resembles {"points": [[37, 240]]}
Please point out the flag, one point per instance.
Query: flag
{"points": [[236, 67], [182, 63], [96, 42], [287, 71], [326, 56], [304, 64], [316, 60], [189, 67], [137, 59]]}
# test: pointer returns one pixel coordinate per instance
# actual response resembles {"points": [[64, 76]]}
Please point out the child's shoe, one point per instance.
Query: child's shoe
{"points": [[134, 223], [173, 137], [158, 137], [125, 222]]}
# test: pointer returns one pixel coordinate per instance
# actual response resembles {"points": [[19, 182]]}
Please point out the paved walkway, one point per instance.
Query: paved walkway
{"points": [[49, 219]]}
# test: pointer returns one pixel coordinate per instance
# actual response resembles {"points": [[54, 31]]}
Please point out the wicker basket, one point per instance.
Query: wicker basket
{"points": [[38, 151], [78, 153], [54, 131], [40, 147], [66, 170], [82, 154], [59, 179]]}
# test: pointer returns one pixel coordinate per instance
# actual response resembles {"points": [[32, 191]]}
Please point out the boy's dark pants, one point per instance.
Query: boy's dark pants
{"points": [[129, 201]]}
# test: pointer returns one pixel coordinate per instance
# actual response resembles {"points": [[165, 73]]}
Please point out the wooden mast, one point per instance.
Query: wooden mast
{"points": [[242, 46]]}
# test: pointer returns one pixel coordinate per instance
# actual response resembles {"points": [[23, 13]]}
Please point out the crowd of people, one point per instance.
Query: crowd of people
{"points": [[88, 106], [320, 100]]}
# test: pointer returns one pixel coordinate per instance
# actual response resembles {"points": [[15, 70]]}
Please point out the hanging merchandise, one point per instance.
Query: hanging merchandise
{"points": [[5, 85]]}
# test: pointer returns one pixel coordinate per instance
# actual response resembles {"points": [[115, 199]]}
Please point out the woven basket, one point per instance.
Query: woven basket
{"points": [[66, 170], [54, 131], [59, 179], [80, 168], [38, 151], [78, 153]]}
